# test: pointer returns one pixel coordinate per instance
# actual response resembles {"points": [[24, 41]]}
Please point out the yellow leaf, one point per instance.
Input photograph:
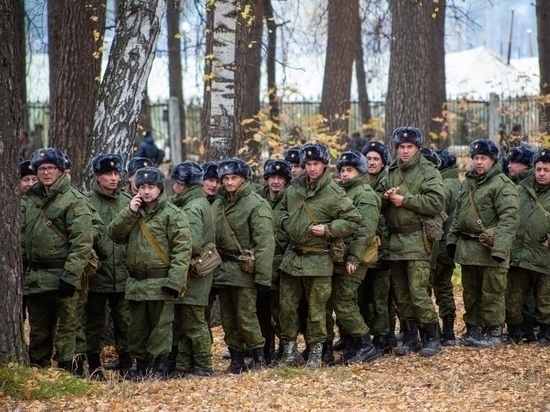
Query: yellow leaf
{"points": [[177, 36], [257, 137]]}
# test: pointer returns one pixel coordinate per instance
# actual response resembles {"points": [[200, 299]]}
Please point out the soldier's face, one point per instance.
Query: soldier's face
{"points": [[405, 151], [482, 163], [296, 170], [314, 169], [542, 173], [48, 173], [108, 181], [347, 173], [210, 186], [276, 183], [178, 188], [149, 193], [515, 168], [232, 182], [375, 163], [26, 183]]}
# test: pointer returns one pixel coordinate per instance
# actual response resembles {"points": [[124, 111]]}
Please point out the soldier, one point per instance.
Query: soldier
{"points": [[349, 274], [158, 250], [277, 173], [244, 237], [520, 163], [530, 252], [108, 284], [412, 192], [210, 182], [442, 264], [314, 211], [191, 330], [134, 165], [480, 240], [57, 243], [28, 177], [292, 156]]}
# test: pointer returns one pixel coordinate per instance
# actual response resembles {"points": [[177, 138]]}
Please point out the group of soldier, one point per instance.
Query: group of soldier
{"points": [[285, 258]]}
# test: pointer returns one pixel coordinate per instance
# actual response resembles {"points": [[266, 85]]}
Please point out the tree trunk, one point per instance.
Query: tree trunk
{"points": [[174, 63], [55, 26], [12, 345], [335, 99], [543, 35], [410, 101], [122, 89], [208, 75], [364, 104], [222, 90], [271, 59], [77, 84], [437, 82], [20, 34]]}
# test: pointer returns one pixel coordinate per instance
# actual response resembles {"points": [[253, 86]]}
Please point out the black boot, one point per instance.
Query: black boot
{"points": [[366, 351], [544, 336], [514, 334], [66, 366], [125, 363], [291, 355], [472, 335], [237, 362], [340, 343], [315, 357], [258, 359], [382, 344], [160, 368], [350, 351], [432, 343], [94, 367], [114, 365], [411, 342], [328, 352], [448, 337], [172, 359], [492, 336], [528, 329], [140, 373]]}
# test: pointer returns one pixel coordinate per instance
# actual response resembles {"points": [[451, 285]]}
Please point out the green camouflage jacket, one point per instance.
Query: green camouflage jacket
{"points": [[424, 195], [69, 211], [330, 206], [112, 273], [524, 174], [251, 220], [201, 224], [496, 201], [534, 228], [170, 228]]}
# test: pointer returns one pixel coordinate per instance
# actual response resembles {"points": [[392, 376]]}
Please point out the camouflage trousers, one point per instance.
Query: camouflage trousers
{"points": [[192, 335], [53, 322], [316, 290], [410, 280], [484, 291], [343, 301], [150, 328], [81, 321], [520, 284], [240, 323], [95, 320], [443, 289], [374, 300]]}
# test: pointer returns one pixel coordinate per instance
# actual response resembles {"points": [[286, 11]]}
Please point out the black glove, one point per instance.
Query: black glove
{"points": [[451, 250], [498, 259], [172, 292], [262, 289], [214, 291], [66, 290]]}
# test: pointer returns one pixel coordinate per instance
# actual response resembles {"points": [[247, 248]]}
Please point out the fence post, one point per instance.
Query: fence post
{"points": [[494, 115], [174, 130]]}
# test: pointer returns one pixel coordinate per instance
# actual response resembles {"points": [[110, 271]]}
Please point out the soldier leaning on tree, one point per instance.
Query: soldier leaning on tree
{"points": [[480, 239], [530, 256], [158, 250]]}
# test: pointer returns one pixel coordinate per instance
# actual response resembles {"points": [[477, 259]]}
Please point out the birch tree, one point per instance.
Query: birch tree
{"points": [[543, 29]]}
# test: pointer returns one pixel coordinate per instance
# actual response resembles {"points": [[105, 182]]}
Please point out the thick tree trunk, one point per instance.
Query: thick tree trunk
{"points": [[174, 62], [122, 89], [437, 82], [364, 104], [222, 90], [335, 100], [20, 33], [409, 101], [271, 59], [12, 345], [543, 36], [77, 84], [55, 26]]}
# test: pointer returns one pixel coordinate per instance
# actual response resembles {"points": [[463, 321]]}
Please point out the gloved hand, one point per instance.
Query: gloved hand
{"points": [[498, 259], [66, 290], [451, 250], [172, 292], [262, 290]]}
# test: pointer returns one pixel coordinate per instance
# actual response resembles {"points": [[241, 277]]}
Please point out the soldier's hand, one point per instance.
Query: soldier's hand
{"points": [[66, 290], [350, 268], [172, 292], [135, 203], [396, 199], [318, 230]]}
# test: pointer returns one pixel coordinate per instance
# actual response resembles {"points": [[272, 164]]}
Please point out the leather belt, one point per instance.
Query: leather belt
{"points": [[406, 229], [301, 250], [149, 274], [53, 264], [469, 236]]}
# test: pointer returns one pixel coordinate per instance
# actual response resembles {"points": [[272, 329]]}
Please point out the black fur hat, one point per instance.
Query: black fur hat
{"points": [[68, 163], [137, 163], [314, 151], [447, 159], [277, 167], [292, 155], [379, 148], [210, 170], [352, 158], [188, 173], [485, 147], [543, 155], [522, 154], [26, 169], [234, 166], [407, 135], [149, 175], [106, 162], [431, 155], [48, 155]]}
